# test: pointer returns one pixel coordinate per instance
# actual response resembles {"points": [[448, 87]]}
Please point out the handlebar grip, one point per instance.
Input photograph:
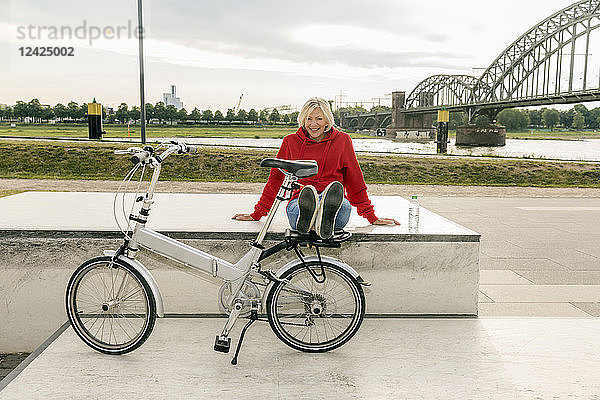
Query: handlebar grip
{"points": [[139, 157]]}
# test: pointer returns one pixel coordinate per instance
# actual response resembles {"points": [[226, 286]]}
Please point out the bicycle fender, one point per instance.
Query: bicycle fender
{"points": [[139, 267], [294, 262]]}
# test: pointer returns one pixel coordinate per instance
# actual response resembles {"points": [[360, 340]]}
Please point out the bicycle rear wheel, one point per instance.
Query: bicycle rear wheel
{"points": [[316, 317], [110, 306]]}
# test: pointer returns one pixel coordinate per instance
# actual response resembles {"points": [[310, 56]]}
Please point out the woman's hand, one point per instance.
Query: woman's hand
{"points": [[386, 221], [243, 217]]}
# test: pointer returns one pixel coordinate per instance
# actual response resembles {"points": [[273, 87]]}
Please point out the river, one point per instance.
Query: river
{"points": [[580, 150]]}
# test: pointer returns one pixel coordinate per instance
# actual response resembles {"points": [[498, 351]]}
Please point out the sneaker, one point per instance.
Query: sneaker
{"points": [[330, 203], [307, 204]]}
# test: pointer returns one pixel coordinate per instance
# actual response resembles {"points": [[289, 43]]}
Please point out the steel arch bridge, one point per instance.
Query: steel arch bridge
{"points": [[550, 63]]}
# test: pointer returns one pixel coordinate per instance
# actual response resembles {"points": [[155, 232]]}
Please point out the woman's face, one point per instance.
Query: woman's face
{"points": [[315, 124]]}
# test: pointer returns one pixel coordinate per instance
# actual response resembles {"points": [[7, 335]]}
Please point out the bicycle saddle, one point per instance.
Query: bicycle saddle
{"points": [[302, 168]]}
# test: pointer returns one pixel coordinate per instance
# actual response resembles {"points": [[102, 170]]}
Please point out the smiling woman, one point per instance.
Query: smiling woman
{"points": [[321, 204]]}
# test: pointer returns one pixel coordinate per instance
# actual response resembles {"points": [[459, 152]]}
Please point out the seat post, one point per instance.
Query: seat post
{"points": [[285, 186]]}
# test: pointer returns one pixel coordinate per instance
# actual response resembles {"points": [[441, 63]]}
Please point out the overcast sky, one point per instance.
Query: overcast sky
{"points": [[274, 52]]}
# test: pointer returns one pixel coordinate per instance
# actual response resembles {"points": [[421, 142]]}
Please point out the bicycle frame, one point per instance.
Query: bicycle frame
{"points": [[193, 257]]}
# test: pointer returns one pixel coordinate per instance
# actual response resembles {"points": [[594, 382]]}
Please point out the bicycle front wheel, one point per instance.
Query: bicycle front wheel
{"points": [[314, 316], [110, 306]]}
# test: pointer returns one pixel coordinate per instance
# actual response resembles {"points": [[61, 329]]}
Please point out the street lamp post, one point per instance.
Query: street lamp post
{"points": [[141, 54]]}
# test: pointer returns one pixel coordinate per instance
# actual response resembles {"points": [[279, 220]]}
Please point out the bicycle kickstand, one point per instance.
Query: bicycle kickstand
{"points": [[253, 318]]}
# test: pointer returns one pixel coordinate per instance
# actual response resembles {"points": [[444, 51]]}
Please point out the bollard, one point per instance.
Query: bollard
{"points": [[95, 120], [442, 131]]}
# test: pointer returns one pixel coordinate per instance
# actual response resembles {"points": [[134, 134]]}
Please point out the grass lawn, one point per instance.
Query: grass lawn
{"points": [[4, 193], [96, 160], [120, 131]]}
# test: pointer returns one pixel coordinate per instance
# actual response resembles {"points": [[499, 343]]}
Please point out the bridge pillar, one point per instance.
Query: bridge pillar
{"points": [[398, 101], [480, 135]]}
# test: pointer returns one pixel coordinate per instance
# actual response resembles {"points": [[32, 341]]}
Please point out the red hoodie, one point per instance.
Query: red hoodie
{"points": [[337, 162]]}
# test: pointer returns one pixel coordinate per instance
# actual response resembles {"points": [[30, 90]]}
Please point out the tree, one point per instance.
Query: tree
{"points": [[274, 116], [550, 118], [535, 118], [160, 112], [218, 116], [122, 113], [196, 115], [207, 115], [61, 111], [457, 118], [581, 109], [109, 114], [20, 110], [376, 109], [149, 112], [170, 113], [134, 114], [230, 114], [6, 113], [182, 115], [294, 116], [242, 115], [513, 120], [578, 121], [83, 109], [286, 118], [262, 117], [594, 118], [566, 117], [34, 109], [47, 113], [73, 110], [353, 110], [252, 115], [111, 118]]}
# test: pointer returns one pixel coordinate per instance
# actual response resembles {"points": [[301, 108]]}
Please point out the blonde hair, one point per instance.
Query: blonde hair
{"points": [[310, 106]]}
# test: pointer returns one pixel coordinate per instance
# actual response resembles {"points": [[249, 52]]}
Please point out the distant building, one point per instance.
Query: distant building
{"points": [[171, 99]]}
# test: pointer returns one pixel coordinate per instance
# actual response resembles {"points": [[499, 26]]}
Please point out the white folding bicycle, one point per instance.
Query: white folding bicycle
{"points": [[313, 303]]}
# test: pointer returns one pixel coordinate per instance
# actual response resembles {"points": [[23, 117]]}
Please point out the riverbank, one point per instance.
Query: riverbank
{"points": [[97, 161]]}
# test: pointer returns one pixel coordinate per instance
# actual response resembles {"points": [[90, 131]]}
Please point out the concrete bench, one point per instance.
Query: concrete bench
{"points": [[46, 235]]}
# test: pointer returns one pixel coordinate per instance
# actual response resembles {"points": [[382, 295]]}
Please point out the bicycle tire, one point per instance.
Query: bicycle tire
{"points": [[99, 310], [299, 307]]}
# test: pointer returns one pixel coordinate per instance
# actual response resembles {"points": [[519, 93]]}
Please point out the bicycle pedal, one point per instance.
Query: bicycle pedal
{"points": [[222, 345]]}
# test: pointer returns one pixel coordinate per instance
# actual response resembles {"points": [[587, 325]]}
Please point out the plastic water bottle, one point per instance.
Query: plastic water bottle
{"points": [[413, 214]]}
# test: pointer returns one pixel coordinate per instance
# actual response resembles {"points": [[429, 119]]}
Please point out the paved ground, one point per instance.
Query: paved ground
{"points": [[485, 358], [539, 258]]}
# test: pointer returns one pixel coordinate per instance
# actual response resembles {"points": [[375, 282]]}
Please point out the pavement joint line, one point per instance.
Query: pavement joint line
{"points": [[15, 372]]}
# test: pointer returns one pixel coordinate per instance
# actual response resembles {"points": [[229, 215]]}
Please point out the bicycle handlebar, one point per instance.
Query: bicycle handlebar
{"points": [[139, 155]]}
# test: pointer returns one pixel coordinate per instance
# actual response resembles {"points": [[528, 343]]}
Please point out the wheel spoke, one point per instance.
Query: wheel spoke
{"points": [[109, 307], [322, 319]]}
